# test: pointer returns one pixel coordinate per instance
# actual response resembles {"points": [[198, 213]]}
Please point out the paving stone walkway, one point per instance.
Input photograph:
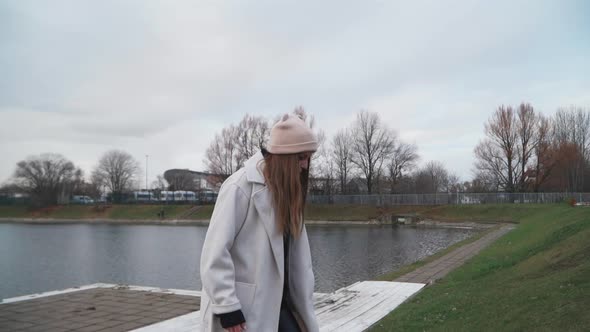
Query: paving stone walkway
{"points": [[440, 267], [97, 309]]}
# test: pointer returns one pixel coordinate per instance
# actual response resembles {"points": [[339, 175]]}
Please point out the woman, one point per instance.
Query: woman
{"points": [[256, 264]]}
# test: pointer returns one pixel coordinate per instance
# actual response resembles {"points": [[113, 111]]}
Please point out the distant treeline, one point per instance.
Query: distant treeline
{"points": [[522, 150]]}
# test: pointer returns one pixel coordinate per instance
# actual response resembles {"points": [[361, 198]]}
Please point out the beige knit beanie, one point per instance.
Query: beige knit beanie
{"points": [[291, 135]]}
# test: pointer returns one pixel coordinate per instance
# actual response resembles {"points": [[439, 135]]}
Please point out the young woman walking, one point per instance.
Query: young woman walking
{"points": [[256, 266]]}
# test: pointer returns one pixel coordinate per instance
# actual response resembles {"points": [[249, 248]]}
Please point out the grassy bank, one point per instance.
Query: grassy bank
{"points": [[138, 212], [508, 213], [313, 212], [115, 212], [536, 278]]}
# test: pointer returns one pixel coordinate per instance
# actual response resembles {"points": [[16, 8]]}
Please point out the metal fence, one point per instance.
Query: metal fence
{"points": [[448, 198]]}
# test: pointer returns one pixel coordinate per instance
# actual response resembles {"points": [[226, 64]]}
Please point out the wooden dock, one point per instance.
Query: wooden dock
{"points": [[110, 308]]}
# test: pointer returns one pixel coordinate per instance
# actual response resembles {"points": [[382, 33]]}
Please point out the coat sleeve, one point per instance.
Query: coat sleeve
{"points": [[217, 267]]}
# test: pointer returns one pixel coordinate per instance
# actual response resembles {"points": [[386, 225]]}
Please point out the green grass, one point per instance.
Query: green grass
{"points": [[139, 212], [340, 212], [203, 213], [476, 213], [313, 212], [134, 212], [483, 213], [71, 212], [536, 278], [15, 211]]}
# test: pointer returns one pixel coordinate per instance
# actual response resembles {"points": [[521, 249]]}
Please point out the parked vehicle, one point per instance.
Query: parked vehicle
{"points": [[166, 196], [178, 196], [185, 196], [144, 196], [207, 196], [81, 199]]}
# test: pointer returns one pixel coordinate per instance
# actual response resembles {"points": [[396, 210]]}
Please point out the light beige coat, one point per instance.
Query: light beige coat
{"points": [[242, 264]]}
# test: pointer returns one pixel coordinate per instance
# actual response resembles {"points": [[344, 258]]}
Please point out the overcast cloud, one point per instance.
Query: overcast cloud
{"points": [[162, 77]]}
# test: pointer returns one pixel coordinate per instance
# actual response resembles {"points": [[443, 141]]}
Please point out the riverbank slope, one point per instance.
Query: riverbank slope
{"points": [[535, 278], [314, 212]]}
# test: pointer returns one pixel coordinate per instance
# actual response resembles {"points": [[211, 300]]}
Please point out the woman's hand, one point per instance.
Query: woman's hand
{"points": [[237, 328]]}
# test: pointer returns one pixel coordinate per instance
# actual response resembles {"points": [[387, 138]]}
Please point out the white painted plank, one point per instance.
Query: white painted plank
{"points": [[373, 316], [374, 301], [378, 312], [353, 308], [335, 302], [367, 296]]}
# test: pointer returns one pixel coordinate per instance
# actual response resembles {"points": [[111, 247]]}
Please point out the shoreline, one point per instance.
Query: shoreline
{"points": [[205, 222], [99, 221]]}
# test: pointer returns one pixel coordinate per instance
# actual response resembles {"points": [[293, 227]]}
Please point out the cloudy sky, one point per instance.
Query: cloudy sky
{"points": [[162, 77]]}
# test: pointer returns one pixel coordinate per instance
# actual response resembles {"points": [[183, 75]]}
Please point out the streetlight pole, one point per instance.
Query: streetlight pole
{"points": [[146, 172]]}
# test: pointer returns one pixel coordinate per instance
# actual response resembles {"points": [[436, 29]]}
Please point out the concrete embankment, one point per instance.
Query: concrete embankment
{"points": [[205, 222], [49, 221], [201, 222]]}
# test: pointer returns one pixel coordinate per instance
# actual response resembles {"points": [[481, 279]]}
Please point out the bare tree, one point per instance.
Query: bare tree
{"points": [[432, 178], [11, 187], [322, 170], [221, 157], [229, 150], [544, 154], [96, 182], [342, 157], [320, 156], [252, 134], [572, 133], [77, 182], [372, 143], [116, 170], [160, 183], [498, 153], [79, 186], [45, 177], [523, 150], [402, 159], [565, 156], [178, 179], [481, 183], [527, 125], [454, 184]]}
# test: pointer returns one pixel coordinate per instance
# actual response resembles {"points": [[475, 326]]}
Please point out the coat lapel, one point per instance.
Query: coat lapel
{"points": [[262, 201], [267, 217]]}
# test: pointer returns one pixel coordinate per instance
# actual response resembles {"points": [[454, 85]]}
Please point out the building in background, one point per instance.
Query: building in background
{"points": [[185, 179]]}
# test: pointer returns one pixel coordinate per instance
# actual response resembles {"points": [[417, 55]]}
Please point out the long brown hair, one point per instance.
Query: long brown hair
{"points": [[288, 186]]}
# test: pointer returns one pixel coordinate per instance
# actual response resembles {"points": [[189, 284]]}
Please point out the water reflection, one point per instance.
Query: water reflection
{"points": [[37, 258], [346, 255]]}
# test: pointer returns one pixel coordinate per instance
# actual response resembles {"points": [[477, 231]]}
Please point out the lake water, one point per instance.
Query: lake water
{"points": [[37, 258]]}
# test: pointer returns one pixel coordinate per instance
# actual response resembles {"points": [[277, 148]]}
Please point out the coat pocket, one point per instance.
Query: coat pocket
{"points": [[245, 293]]}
